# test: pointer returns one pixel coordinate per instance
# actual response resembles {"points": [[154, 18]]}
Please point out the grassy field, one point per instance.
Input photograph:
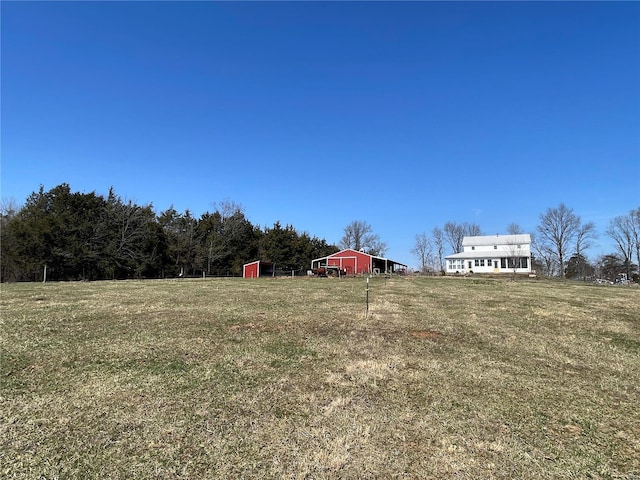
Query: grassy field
{"points": [[282, 378]]}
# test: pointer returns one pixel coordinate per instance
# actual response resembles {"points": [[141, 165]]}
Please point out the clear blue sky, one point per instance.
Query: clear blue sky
{"points": [[404, 115]]}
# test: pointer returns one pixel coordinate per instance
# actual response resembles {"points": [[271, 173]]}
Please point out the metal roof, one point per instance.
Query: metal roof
{"points": [[523, 238], [476, 254], [359, 252]]}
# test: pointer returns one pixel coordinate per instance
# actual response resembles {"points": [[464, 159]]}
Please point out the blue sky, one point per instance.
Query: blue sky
{"points": [[404, 115]]}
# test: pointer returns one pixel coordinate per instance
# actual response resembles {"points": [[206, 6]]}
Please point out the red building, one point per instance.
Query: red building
{"points": [[355, 262], [257, 269]]}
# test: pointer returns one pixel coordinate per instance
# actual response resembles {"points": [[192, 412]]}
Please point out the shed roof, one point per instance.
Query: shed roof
{"points": [[262, 262]]}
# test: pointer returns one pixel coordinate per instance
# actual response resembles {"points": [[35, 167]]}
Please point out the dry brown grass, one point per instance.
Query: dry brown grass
{"points": [[230, 378]]}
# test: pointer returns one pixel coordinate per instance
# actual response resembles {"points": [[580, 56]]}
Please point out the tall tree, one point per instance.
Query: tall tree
{"points": [[609, 266], [585, 236], [422, 249], [183, 239], [438, 244], [543, 257], [635, 230], [153, 248], [471, 229], [228, 240], [9, 258], [358, 235], [34, 226], [454, 234], [279, 246], [57, 231], [132, 240], [579, 268], [514, 229], [558, 228], [621, 231]]}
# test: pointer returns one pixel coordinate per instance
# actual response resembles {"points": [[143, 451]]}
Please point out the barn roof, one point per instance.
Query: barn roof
{"points": [[336, 254]]}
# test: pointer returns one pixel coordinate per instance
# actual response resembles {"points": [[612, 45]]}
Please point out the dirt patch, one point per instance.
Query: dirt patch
{"points": [[426, 334]]}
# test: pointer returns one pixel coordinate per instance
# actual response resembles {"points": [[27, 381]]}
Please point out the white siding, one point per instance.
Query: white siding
{"points": [[492, 254]]}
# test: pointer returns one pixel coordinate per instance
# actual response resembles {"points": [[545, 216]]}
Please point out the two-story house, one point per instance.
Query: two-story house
{"points": [[492, 254]]}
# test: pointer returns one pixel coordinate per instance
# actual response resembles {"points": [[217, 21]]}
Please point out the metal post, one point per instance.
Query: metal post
{"points": [[367, 311]]}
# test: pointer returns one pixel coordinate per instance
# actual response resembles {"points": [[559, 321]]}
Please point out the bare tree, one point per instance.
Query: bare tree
{"points": [[635, 229], [125, 227], [514, 229], [358, 235], [228, 208], [621, 231], [438, 244], [422, 249], [544, 256], [514, 254], [584, 240], [471, 229], [454, 234], [558, 228]]}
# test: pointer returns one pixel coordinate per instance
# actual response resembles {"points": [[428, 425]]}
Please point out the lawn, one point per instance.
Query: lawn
{"points": [[291, 378]]}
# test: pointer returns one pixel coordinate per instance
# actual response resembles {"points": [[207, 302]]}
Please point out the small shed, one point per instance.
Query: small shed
{"points": [[257, 269], [355, 262]]}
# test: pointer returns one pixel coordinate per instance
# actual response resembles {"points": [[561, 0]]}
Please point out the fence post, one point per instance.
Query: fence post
{"points": [[367, 310]]}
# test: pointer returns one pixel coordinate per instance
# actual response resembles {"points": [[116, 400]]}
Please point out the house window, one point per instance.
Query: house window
{"points": [[503, 263], [482, 262], [518, 262], [495, 247], [473, 248], [456, 265], [476, 262]]}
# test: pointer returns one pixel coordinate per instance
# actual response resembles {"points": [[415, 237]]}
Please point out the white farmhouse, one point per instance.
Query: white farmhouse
{"points": [[492, 254]]}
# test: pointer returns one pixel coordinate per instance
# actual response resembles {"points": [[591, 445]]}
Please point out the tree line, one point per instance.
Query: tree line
{"points": [[560, 244], [64, 235], [67, 235]]}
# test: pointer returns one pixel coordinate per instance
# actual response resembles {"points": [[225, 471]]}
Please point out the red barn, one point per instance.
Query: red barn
{"points": [[355, 262], [257, 269]]}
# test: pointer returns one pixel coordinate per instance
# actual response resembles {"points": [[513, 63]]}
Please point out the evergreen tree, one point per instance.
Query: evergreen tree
{"points": [[57, 229], [85, 236], [228, 241], [9, 258], [578, 267]]}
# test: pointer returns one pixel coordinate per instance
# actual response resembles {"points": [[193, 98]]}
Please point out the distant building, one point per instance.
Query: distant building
{"points": [[492, 254], [257, 269], [355, 262]]}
